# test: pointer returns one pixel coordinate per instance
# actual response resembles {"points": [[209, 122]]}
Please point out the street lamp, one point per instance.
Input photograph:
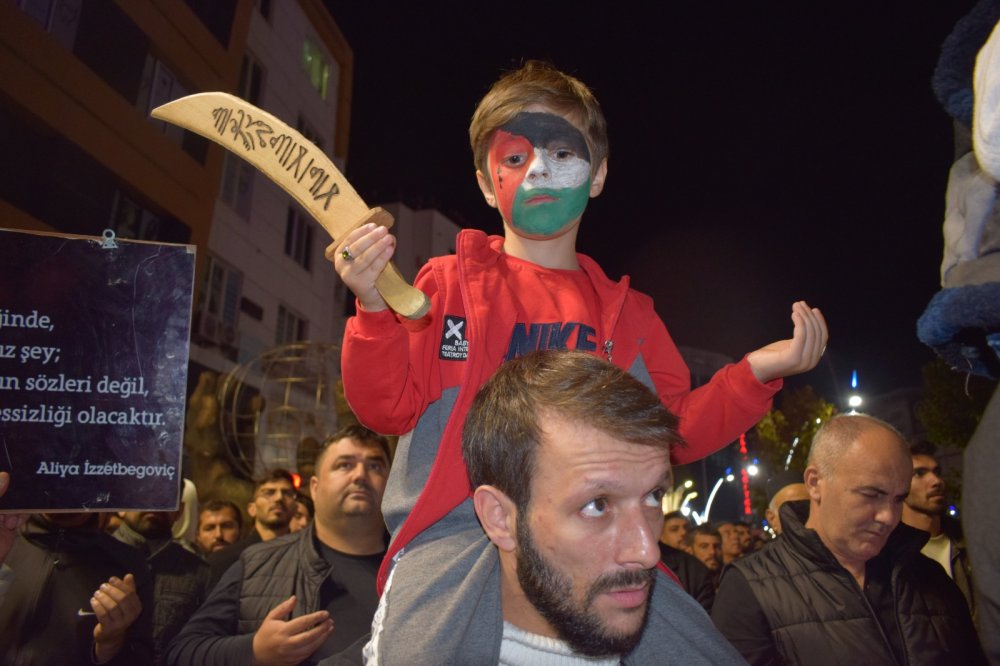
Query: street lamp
{"points": [[854, 400], [729, 477]]}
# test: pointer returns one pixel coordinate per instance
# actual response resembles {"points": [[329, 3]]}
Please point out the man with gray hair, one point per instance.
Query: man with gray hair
{"points": [[847, 582]]}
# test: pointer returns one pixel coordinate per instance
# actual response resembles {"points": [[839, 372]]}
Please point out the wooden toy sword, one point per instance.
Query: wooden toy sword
{"points": [[299, 168]]}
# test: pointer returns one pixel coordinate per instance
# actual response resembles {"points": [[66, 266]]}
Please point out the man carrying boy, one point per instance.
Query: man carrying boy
{"points": [[540, 145]]}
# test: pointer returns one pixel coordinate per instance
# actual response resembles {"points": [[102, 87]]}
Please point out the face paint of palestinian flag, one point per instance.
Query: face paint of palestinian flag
{"points": [[540, 167]]}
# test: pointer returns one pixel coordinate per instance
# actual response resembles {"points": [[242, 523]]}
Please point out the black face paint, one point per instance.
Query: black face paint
{"points": [[547, 130]]}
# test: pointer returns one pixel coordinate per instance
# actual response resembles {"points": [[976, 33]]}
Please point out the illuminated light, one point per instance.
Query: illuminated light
{"points": [[686, 510], [854, 401], [818, 420], [296, 480], [688, 483], [730, 477], [752, 470], [854, 379]]}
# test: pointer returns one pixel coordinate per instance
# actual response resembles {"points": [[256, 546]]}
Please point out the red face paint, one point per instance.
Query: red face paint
{"points": [[508, 161]]}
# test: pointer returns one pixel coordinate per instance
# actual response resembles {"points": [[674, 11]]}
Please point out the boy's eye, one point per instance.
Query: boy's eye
{"points": [[563, 154], [515, 160], [595, 508]]}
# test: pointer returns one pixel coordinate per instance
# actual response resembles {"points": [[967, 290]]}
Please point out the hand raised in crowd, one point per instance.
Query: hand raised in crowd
{"points": [[359, 259], [9, 523], [280, 641], [116, 605], [785, 358]]}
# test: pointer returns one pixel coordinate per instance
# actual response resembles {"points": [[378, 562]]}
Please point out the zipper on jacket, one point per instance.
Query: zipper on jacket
{"points": [[608, 346]]}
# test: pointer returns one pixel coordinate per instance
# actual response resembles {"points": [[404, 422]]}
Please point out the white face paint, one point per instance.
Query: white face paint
{"points": [[557, 169]]}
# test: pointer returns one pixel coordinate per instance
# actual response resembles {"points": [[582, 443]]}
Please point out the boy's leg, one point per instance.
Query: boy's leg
{"points": [[441, 604]]}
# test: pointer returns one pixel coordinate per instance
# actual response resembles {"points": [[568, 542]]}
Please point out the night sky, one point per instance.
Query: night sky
{"points": [[760, 153]]}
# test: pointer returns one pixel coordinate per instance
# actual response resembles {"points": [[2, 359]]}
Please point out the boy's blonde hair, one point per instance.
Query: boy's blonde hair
{"points": [[538, 83]]}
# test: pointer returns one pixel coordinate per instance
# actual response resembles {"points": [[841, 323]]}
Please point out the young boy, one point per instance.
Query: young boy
{"points": [[540, 145]]}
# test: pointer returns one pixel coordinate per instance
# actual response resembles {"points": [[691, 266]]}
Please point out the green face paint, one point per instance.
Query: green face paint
{"points": [[545, 211]]}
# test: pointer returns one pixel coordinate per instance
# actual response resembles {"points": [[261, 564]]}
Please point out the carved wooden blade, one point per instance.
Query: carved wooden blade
{"points": [[298, 167]]}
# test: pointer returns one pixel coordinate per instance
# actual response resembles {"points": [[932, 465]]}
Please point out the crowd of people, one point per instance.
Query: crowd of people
{"points": [[866, 564], [541, 405]]}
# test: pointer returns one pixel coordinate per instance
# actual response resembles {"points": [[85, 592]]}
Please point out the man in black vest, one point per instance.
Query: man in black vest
{"points": [[305, 596], [846, 582]]}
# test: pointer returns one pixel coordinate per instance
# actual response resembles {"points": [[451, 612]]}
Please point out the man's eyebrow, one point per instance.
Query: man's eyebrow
{"points": [[872, 489]]}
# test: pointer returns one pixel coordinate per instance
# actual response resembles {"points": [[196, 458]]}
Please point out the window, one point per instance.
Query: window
{"points": [[299, 237], [251, 80], [222, 291], [316, 67], [217, 15], [130, 220], [291, 327], [160, 85], [59, 18], [215, 323], [306, 130], [237, 184]]}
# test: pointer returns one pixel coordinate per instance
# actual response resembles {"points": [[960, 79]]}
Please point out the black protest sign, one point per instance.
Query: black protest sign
{"points": [[93, 370]]}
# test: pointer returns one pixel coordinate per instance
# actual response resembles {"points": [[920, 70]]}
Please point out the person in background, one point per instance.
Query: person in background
{"points": [[783, 487], [304, 511], [271, 511], [846, 582], [675, 526], [219, 525], [925, 508]]}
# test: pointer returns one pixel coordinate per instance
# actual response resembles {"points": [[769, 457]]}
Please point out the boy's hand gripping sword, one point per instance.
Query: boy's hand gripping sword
{"points": [[299, 168]]}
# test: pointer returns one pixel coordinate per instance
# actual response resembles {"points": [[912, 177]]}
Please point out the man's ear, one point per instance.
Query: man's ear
{"points": [[498, 516], [597, 182], [252, 510], [486, 187], [812, 478], [313, 484], [769, 515]]}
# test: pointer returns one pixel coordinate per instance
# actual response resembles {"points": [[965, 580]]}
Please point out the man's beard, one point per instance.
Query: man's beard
{"points": [[551, 593]]}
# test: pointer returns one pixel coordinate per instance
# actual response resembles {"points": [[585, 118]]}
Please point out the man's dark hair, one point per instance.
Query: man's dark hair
{"points": [[307, 502], [921, 447], [276, 474], [218, 505], [504, 425], [675, 514], [360, 434], [704, 528]]}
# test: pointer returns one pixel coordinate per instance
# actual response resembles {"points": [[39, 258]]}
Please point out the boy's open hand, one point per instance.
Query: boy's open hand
{"points": [[785, 358], [359, 259], [289, 642]]}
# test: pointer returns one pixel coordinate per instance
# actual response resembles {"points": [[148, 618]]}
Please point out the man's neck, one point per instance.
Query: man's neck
{"points": [[922, 521], [557, 253], [853, 566], [355, 535], [267, 533]]}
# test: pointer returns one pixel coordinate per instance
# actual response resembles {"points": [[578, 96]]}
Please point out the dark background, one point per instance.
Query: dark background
{"points": [[760, 153]]}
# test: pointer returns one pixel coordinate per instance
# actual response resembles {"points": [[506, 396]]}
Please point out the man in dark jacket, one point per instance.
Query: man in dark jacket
{"points": [[77, 596], [694, 576], [323, 576], [180, 578], [846, 583]]}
